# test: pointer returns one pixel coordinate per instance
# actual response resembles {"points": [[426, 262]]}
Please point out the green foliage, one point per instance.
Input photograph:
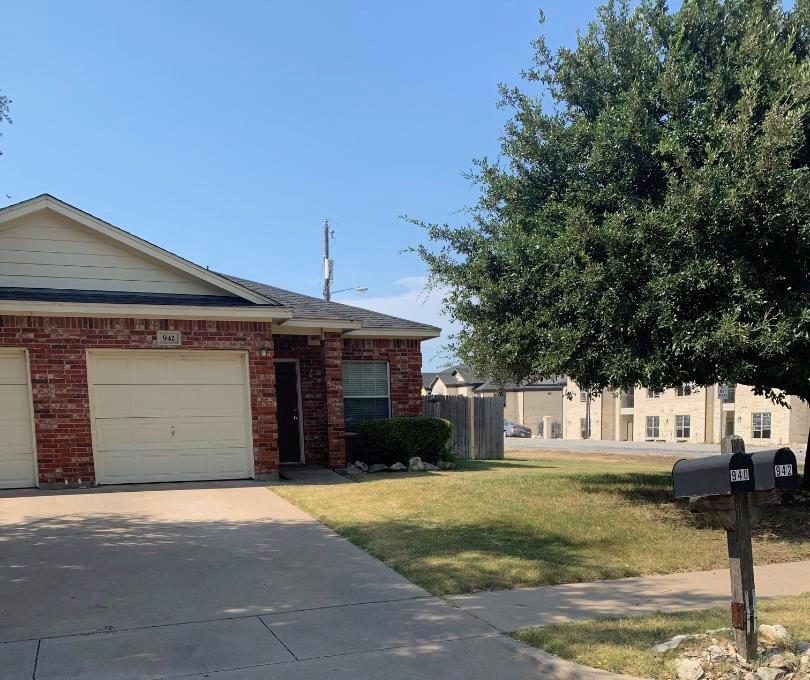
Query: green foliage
{"points": [[396, 440], [647, 222]]}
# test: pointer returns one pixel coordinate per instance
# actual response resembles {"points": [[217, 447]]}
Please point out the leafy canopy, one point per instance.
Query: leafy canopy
{"points": [[647, 223]]}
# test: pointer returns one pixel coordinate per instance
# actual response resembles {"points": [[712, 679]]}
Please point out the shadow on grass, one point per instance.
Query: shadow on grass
{"points": [[783, 522], [475, 555]]}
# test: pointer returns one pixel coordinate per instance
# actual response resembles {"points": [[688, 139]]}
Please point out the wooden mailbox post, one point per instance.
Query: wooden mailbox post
{"points": [[732, 487]]}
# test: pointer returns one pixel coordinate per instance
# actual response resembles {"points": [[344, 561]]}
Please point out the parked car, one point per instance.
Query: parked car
{"points": [[511, 429]]}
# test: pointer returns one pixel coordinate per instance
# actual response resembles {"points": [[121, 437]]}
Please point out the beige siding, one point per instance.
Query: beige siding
{"points": [[537, 404], [667, 407], [574, 411], [48, 250], [799, 421], [746, 404]]}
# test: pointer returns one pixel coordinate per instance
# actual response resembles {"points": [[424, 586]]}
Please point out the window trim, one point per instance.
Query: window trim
{"points": [[657, 426], [762, 428], [652, 394], [685, 390], [366, 396], [685, 426]]}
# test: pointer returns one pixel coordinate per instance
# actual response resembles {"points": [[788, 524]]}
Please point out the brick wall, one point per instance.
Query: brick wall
{"points": [[404, 359], [57, 354], [313, 394]]}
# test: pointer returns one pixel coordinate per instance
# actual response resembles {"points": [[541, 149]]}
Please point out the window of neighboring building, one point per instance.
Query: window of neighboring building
{"points": [[683, 390], [761, 425], [652, 394], [683, 427], [583, 395], [584, 430], [366, 394], [653, 427]]}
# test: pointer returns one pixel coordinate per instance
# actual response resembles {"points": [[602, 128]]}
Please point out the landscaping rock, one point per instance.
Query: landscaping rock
{"points": [[354, 470], [415, 464], [429, 466], [378, 467], [768, 673], [672, 643], [398, 467], [716, 652], [689, 669], [446, 465], [802, 647], [360, 464], [774, 633]]}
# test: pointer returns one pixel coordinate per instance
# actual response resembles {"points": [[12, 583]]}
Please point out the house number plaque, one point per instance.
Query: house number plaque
{"points": [[169, 338]]}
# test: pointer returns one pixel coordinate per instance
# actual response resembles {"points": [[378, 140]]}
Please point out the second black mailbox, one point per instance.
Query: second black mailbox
{"points": [[775, 469], [713, 476]]}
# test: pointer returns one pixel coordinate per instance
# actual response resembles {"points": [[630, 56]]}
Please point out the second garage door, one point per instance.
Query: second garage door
{"points": [[162, 416]]}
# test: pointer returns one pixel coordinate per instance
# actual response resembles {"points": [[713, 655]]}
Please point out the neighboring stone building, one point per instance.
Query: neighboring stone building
{"points": [[687, 414]]}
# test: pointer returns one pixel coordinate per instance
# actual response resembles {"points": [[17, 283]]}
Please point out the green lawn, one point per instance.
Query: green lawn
{"points": [[623, 645], [551, 518]]}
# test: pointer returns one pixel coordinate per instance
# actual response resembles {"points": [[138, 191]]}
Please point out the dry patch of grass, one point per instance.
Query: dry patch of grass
{"points": [[555, 518], [623, 645]]}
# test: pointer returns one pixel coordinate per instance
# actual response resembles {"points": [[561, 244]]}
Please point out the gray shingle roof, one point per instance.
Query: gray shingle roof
{"points": [[308, 307], [124, 297]]}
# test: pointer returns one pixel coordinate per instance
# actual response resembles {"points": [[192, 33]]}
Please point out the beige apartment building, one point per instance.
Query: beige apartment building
{"points": [[686, 414]]}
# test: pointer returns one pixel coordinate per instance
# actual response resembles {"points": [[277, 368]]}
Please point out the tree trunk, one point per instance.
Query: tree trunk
{"points": [[806, 479]]}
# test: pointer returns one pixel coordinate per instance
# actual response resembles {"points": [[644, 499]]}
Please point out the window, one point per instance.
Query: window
{"points": [[652, 394], [761, 425], [683, 427], [584, 430], [583, 395], [365, 392], [653, 427], [683, 390]]}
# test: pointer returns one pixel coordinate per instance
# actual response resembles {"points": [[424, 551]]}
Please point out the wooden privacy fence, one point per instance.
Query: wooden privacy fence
{"points": [[477, 423]]}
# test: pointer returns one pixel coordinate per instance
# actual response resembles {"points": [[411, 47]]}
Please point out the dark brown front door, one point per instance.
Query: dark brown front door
{"points": [[289, 432]]}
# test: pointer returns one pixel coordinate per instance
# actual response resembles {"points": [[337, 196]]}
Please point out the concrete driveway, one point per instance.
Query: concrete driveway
{"points": [[160, 581]]}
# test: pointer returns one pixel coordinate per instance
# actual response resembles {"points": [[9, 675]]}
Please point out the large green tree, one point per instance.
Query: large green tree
{"points": [[647, 220]]}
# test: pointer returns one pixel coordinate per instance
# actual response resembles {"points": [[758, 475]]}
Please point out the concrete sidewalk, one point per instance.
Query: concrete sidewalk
{"points": [[509, 610]]}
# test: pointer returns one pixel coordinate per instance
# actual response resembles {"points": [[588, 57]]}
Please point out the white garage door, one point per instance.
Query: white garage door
{"points": [[17, 467], [164, 416]]}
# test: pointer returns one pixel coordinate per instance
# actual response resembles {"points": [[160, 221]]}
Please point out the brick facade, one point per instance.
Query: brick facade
{"points": [[404, 359], [321, 370], [57, 349]]}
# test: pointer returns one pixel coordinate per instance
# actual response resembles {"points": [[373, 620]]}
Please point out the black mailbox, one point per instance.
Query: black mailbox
{"points": [[775, 469], [713, 476]]}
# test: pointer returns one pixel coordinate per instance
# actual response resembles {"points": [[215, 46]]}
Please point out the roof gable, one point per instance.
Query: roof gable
{"points": [[48, 244]]}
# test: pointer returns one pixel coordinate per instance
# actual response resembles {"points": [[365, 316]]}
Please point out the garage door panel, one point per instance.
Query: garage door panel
{"points": [[169, 466], [163, 416], [17, 466], [17, 470], [172, 401], [16, 437], [152, 368], [14, 404], [13, 370], [120, 434]]}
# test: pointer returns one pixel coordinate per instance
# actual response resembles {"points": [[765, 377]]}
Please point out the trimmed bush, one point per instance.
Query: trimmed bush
{"points": [[396, 440]]}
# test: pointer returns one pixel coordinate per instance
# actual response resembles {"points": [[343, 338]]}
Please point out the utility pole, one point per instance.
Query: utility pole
{"points": [[328, 264]]}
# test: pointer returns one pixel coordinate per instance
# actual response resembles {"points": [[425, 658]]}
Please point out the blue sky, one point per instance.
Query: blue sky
{"points": [[227, 132]]}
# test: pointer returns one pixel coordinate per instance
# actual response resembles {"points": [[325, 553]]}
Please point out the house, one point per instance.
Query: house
{"points": [[686, 413], [122, 362], [534, 405]]}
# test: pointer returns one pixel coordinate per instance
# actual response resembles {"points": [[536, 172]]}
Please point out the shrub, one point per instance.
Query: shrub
{"points": [[396, 440]]}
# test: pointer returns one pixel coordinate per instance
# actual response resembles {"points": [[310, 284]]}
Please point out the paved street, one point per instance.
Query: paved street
{"points": [[667, 449], [146, 582]]}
